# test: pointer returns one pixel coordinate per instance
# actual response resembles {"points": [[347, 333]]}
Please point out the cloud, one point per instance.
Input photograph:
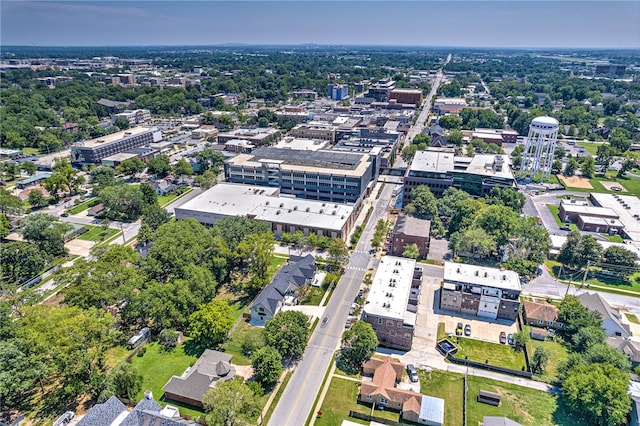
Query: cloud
{"points": [[94, 8]]}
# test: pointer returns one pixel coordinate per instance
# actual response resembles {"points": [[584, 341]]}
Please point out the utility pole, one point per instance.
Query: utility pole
{"points": [[584, 278]]}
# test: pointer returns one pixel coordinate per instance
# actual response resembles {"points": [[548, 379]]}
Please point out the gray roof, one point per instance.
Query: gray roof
{"points": [[103, 414], [210, 367], [297, 272], [432, 409], [498, 421], [410, 225], [594, 302]]}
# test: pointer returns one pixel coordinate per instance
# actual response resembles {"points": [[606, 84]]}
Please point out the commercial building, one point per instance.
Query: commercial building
{"points": [[338, 177], [337, 92], [488, 135], [136, 116], [449, 105], [590, 218], [309, 95], [411, 230], [315, 130], [392, 301], [406, 96], [380, 91], [257, 136], [94, 150], [477, 290], [439, 169], [613, 71], [33, 180], [626, 207], [283, 214]]}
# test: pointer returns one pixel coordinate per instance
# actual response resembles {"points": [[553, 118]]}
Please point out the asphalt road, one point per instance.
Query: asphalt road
{"points": [[298, 397]]}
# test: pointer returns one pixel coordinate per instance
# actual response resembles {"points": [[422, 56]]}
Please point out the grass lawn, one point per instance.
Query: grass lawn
{"points": [[610, 284], [496, 354], [234, 344], [84, 206], [157, 366], [315, 297], [163, 200], [448, 386], [115, 355], [592, 148], [30, 151], [276, 262], [613, 238], [555, 210], [96, 233], [341, 397], [632, 318], [557, 354], [529, 407]]}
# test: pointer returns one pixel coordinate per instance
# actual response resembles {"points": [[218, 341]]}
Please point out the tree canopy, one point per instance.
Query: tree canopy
{"points": [[287, 332]]}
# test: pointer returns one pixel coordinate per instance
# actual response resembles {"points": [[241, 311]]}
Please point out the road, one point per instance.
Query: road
{"points": [[298, 397]]}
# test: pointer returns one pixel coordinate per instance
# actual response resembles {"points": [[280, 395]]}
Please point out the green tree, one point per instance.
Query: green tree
{"points": [[338, 254], [37, 199], [18, 376], [121, 123], [408, 152], [450, 121], [236, 228], [257, 251], [9, 204], [209, 325], [576, 316], [540, 359], [499, 222], [131, 166], [586, 337], [588, 167], [506, 197], [605, 154], [411, 251], [421, 138], [267, 365], [159, 165], [287, 332], [520, 339], [155, 216], [473, 241], [605, 354], [5, 226], [599, 392], [620, 256], [182, 168], [29, 167], [626, 166], [209, 159], [149, 195], [358, 345], [123, 202], [571, 167], [20, 261], [455, 137], [102, 177], [127, 381], [231, 403], [206, 180], [46, 232]]}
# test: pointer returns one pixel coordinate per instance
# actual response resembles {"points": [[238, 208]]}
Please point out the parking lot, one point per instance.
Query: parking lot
{"points": [[481, 328]]}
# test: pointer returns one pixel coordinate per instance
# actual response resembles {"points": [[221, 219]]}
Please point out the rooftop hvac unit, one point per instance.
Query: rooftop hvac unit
{"points": [[308, 209]]}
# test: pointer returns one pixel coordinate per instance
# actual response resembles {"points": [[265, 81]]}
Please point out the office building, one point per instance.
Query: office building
{"points": [[283, 214], [338, 177], [440, 169], [136, 116], [94, 150], [626, 207], [507, 136], [380, 91], [337, 92], [613, 71], [315, 130], [449, 105], [391, 304], [478, 290], [406, 96], [257, 136], [411, 230]]}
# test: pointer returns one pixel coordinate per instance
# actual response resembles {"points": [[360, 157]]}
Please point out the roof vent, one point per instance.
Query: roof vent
{"points": [[333, 213], [504, 277], [321, 211], [308, 209], [477, 273], [266, 203], [458, 270], [278, 212], [486, 274], [295, 207], [281, 205]]}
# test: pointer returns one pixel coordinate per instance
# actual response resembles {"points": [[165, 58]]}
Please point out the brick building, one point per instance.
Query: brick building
{"points": [[411, 230]]}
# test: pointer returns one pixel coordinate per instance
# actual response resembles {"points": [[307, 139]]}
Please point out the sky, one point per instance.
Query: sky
{"points": [[456, 23]]}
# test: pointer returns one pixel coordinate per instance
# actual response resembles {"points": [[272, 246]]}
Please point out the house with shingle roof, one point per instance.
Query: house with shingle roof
{"points": [[298, 272], [211, 368], [542, 315], [382, 390], [611, 318]]}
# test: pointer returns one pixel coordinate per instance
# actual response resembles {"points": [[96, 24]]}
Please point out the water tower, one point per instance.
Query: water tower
{"points": [[539, 148]]}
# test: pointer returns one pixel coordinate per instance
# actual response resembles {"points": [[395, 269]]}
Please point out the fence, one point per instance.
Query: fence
{"points": [[489, 367], [370, 418]]}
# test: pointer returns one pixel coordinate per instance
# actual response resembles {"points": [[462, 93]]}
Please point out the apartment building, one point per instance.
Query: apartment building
{"points": [[477, 290], [136, 116], [406, 96], [94, 150], [315, 130], [256, 135]]}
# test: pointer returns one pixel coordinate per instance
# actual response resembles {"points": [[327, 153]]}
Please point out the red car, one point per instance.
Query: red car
{"points": [[503, 337]]}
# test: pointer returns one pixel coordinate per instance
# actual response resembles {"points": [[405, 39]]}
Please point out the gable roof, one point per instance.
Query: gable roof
{"points": [[208, 369], [103, 414], [595, 302], [298, 271], [541, 311]]}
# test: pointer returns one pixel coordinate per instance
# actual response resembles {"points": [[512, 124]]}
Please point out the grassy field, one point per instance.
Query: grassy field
{"points": [[557, 354], [233, 345], [341, 397], [612, 285], [96, 233], [632, 318], [613, 238], [30, 151], [527, 406], [494, 353], [555, 210], [84, 206], [592, 148], [632, 185], [157, 366], [448, 386]]}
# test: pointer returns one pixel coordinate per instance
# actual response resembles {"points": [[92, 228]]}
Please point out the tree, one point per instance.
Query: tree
{"points": [[149, 195], [455, 137], [421, 138], [9, 204], [257, 251], [506, 197], [127, 381], [556, 167], [46, 232], [155, 216], [131, 166], [63, 177], [234, 229], [473, 241], [267, 365], [37, 199], [576, 316], [102, 177], [159, 165], [20, 261], [358, 345], [209, 325], [626, 166], [337, 254], [122, 202], [605, 354], [411, 251], [599, 392], [611, 105], [450, 121], [18, 376], [588, 167], [586, 337], [121, 123], [605, 154], [5, 226], [498, 221], [620, 139], [206, 180], [620, 256], [540, 359], [408, 152], [571, 167], [520, 339], [29, 167], [182, 168], [230, 403], [209, 159], [287, 332], [423, 203]]}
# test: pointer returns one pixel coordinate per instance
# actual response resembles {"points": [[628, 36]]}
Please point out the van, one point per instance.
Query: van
{"points": [[413, 374]]}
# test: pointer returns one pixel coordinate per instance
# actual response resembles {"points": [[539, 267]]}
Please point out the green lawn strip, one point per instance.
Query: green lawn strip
{"points": [[341, 397], [557, 355], [555, 210], [613, 238], [84, 206], [30, 151], [233, 345], [592, 148], [95, 233], [164, 200], [276, 398], [157, 366], [530, 407], [315, 297], [442, 333], [448, 386], [493, 353], [630, 287]]}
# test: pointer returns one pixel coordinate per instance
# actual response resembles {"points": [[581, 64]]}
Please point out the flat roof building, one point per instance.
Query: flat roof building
{"points": [[283, 214], [440, 169], [257, 136], [391, 303], [315, 130], [92, 151], [449, 105], [486, 292], [626, 207]]}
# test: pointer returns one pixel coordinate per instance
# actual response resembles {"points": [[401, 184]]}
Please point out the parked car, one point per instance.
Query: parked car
{"points": [[65, 214], [565, 228], [467, 330], [503, 337], [459, 329], [413, 374], [510, 339], [64, 419]]}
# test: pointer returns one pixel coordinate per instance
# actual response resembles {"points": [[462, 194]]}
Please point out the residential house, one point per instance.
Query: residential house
{"points": [[611, 318], [98, 208], [163, 186], [382, 390], [147, 412], [411, 230], [541, 315], [209, 369], [282, 290]]}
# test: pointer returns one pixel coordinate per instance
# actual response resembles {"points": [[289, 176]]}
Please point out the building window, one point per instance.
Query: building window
{"points": [[369, 397], [407, 335], [389, 323], [383, 401], [392, 333], [379, 320]]}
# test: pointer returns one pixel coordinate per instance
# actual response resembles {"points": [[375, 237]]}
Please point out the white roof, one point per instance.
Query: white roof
{"points": [[302, 144], [389, 292], [481, 275], [626, 215], [432, 409], [445, 161], [264, 203], [432, 161], [134, 131]]}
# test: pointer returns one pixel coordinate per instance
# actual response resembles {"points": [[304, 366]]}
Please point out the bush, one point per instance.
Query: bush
{"points": [[142, 351], [168, 338]]}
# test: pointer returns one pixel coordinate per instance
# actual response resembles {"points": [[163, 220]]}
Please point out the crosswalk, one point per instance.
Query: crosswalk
{"points": [[353, 268]]}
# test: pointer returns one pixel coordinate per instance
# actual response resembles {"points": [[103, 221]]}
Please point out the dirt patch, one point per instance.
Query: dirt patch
{"points": [[79, 247], [613, 186], [576, 182]]}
